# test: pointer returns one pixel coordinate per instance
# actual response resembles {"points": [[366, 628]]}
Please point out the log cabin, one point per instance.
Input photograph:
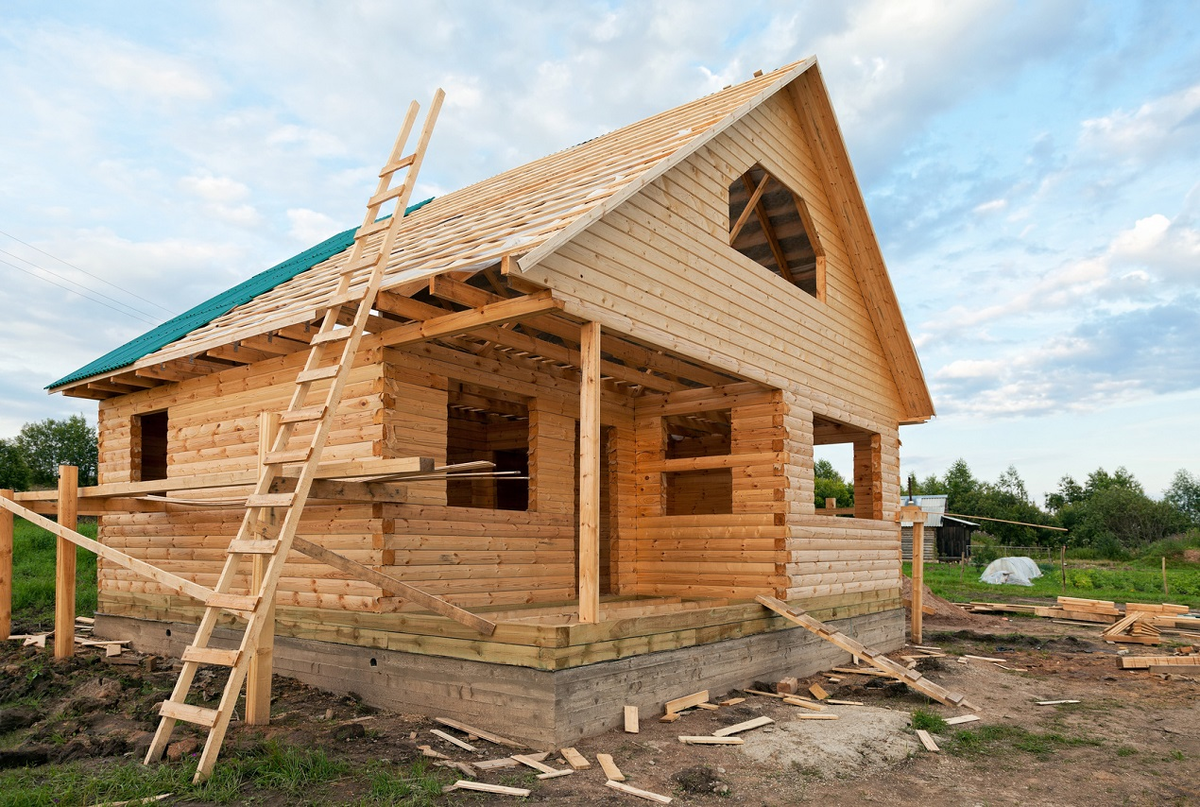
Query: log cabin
{"points": [[613, 365]]}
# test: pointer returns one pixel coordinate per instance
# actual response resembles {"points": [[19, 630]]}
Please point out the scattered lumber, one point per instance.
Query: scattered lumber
{"points": [[804, 704], [985, 658], [788, 686], [576, 760], [505, 762], [495, 739], [818, 692], [955, 721], [732, 701], [1055, 703], [536, 764], [462, 767], [610, 768], [670, 717], [844, 703], [1156, 608], [641, 794], [927, 741], [686, 702], [453, 740], [484, 787], [1143, 662], [708, 707], [765, 694], [556, 773], [816, 717], [912, 678], [746, 726], [431, 753], [1000, 607], [631, 720], [710, 739]]}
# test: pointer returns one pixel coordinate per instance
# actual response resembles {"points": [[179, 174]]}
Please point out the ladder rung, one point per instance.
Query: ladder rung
{"points": [[341, 301], [373, 227], [282, 457], [403, 162], [388, 195], [332, 336], [234, 602], [192, 714], [247, 546], [316, 375], [304, 415], [270, 499], [211, 655]]}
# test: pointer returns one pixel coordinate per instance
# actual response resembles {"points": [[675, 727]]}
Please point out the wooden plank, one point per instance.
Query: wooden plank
{"points": [[913, 679], [589, 474], [260, 672], [631, 720], [702, 739], [192, 714], [536, 764], [6, 557], [815, 717], [484, 787], [818, 692], [927, 741], [453, 740], [64, 569], [804, 704], [686, 702], [611, 771], [512, 310], [746, 726], [576, 760], [495, 739], [954, 721], [211, 655], [641, 794], [395, 587]]}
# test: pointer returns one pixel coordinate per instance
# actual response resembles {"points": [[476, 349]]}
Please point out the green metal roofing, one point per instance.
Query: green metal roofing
{"points": [[210, 309]]}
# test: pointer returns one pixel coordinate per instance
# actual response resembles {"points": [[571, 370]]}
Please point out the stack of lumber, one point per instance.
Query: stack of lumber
{"points": [[1135, 627], [1000, 607], [1082, 610]]}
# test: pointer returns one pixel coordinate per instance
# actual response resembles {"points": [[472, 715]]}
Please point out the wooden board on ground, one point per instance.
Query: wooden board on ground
{"points": [[610, 768], [641, 794], [576, 760], [480, 733], [746, 726], [686, 702], [710, 739], [484, 787], [631, 720], [927, 740], [954, 721]]}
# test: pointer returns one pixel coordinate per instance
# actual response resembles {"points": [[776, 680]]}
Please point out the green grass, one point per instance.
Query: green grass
{"points": [[928, 721], [1117, 582], [270, 773], [33, 574], [995, 740]]}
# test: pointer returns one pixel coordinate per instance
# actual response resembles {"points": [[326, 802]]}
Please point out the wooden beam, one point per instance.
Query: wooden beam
{"points": [[64, 568], [6, 550], [258, 676], [913, 513], [769, 232], [171, 581], [589, 474], [464, 321], [751, 204], [393, 586]]}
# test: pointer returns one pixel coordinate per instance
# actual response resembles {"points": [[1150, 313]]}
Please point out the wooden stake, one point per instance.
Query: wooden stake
{"points": [[589, 474], [6, 550], [1063, 565], [258, 676], [1166, 591], [916, 515], [64, 569], [631, 720]]}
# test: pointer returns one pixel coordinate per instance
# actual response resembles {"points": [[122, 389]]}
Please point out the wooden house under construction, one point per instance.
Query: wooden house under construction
{"points": [[708, 275]]}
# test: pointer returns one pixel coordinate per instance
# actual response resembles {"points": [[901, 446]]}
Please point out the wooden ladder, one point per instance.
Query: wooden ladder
{"points": [[274, 509]]}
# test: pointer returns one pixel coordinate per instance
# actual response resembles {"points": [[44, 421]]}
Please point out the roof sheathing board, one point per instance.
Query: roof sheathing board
{"points": [[513, 212]]}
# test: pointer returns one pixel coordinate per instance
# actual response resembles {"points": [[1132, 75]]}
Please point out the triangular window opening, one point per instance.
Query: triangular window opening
{"points": [[770, 224]]}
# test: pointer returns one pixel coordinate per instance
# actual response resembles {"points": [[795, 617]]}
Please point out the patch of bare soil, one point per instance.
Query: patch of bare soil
{"points": [[1134, 738]]}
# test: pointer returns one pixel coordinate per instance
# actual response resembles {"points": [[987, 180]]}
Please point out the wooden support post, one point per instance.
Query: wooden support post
{"points": [[1062, 564], [1166, 590], [64, 569], [6, 554], [258, 675], [589, 473], [913, 513]]}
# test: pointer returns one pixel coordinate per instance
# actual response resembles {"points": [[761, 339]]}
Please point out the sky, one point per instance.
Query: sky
{"points": [[1032, 170]]}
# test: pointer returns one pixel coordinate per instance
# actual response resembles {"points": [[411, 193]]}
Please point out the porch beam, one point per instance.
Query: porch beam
{"points": [[589, 473]]}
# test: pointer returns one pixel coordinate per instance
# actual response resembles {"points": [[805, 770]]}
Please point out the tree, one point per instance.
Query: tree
{"points": [[829, 484], [960, 484], [1184, 496], [14, 471], [1069, 492], [50, 443]]}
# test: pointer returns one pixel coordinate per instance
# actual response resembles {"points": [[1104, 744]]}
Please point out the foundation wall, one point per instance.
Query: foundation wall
{"points": [[542, 708]]}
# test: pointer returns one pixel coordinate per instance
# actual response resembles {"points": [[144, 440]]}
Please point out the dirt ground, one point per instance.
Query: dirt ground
{"points": [[1134, 738]]}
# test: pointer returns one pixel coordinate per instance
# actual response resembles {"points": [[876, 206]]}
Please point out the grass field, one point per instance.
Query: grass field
{"points": [[1118, 582], [33, 575]]}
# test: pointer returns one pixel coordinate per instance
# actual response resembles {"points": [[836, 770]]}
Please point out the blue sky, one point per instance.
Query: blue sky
{"points": [[1032, 171]]}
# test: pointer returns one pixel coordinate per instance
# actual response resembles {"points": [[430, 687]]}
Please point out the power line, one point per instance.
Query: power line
{"points": [[80, 285], [86, 272], [81, 294]]}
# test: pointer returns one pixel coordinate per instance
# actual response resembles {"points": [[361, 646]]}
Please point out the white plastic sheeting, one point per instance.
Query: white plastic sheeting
{"points": [[1012, 571]]}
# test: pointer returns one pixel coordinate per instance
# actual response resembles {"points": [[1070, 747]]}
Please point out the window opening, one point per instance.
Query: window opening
{"points": [[149, 444], [770, 224], [488, 425]]}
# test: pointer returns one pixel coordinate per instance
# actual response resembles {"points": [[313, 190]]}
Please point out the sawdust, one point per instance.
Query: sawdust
{"points": [[944, 611]]}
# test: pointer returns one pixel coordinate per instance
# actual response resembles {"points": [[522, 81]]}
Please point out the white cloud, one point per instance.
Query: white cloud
{"points": [[994, 206], [1169, 122], [211, 188], [311, 227]]}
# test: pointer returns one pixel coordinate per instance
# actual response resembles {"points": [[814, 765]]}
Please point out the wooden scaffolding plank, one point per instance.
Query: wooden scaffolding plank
{"points": [[910, 677]]}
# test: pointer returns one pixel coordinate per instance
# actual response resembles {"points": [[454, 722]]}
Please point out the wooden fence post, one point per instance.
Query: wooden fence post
{"points": [[6, 556], [64, 570], [914, 513], [589, 473]]}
